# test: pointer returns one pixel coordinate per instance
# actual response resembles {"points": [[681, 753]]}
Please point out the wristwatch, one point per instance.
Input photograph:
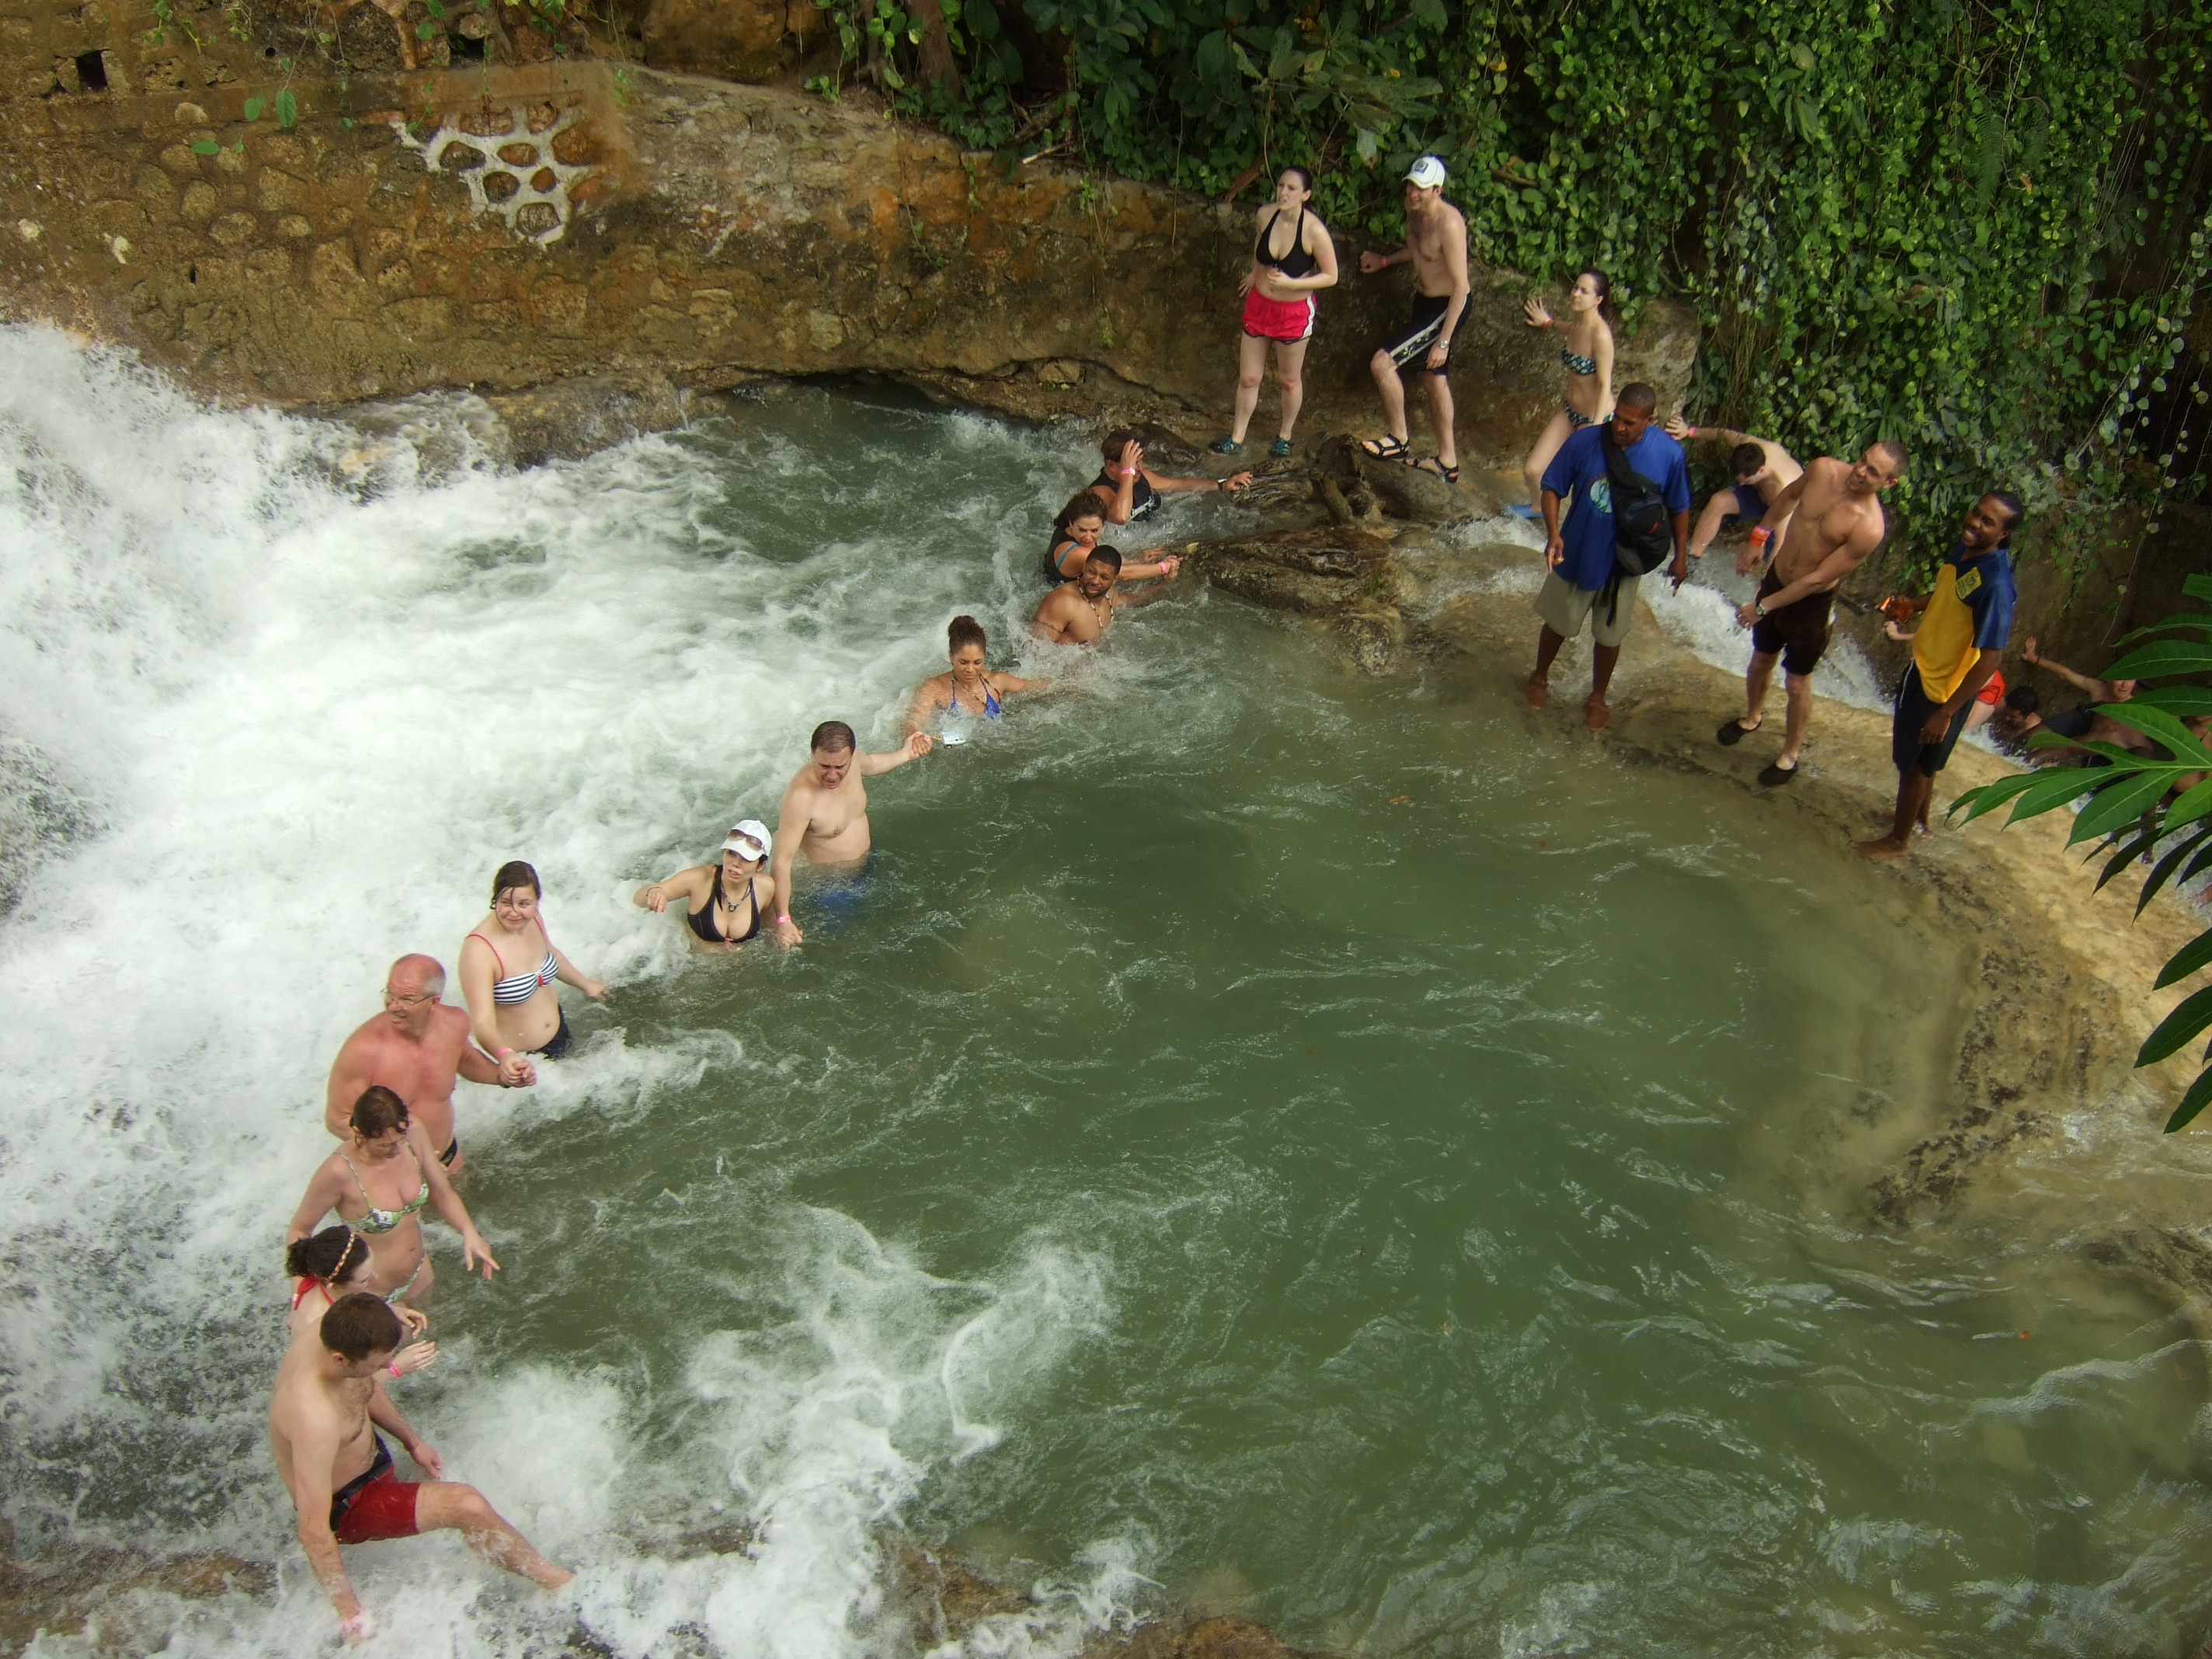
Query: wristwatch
{"points": [[1759, 610]]}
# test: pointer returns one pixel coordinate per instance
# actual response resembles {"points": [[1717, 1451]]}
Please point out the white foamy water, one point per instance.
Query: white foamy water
{"points": [[269, 717]]}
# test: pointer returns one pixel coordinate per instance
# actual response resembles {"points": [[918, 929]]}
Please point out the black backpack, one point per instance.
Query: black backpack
{"points": [[1642, 535]]}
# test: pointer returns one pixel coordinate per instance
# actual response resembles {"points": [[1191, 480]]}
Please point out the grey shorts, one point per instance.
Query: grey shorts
{"points": [[1565, 608]]}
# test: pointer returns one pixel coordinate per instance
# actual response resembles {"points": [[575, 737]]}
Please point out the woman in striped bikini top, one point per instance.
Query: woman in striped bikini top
{"points": [[513, 1007]]}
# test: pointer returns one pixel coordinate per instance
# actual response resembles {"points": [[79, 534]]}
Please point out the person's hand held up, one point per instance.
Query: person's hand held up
{"points": [[1538, 316]]}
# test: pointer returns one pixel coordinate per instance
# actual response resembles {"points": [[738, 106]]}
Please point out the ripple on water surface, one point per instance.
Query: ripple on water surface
{"points": [[1264, 1134]]}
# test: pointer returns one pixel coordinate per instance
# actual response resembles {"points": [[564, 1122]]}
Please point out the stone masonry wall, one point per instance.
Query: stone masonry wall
{"points": [[506, 225]]}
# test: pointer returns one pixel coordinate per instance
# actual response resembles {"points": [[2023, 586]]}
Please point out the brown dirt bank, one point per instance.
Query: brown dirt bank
{"points": [[512, 227]]}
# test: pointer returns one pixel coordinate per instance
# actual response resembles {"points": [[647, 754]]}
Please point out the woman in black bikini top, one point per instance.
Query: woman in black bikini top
{"points": [[1279, 307], [726, 901]]}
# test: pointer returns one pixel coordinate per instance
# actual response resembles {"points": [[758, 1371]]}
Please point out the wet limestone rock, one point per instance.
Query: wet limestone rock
{"points": [[1400, 491]]}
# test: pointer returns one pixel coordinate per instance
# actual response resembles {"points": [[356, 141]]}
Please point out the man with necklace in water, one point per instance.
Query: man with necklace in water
{"points": [[1833, 514], [1080, 611], [416, 1048], [825, 810]]}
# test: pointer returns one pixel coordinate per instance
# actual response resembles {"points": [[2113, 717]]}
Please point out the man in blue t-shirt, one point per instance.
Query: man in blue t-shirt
{"points": [[1581, 585], [1964, 624]]}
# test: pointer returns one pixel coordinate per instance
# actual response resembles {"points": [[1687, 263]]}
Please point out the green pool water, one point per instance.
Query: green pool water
{"points": [[1267, 1141]]}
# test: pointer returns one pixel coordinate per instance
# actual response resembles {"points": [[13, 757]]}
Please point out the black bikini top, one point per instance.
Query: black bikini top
{"points": [[1298, 261], [703, 921]]}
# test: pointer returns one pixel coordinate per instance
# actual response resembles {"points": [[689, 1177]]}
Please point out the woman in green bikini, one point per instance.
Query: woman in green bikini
{"points": [[377, 1184], [1586, 353]]}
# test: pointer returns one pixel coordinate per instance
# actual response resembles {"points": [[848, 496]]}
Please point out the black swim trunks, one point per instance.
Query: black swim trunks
{"points": [[453, 1151], [1914, 706], [1798, 632], [1409, 346], [553, 1048]]}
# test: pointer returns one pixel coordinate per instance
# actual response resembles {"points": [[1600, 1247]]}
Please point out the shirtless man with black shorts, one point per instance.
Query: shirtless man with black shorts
{"points": [[1436, 241], [415, 1048], [1833, 511], [825, 809], [1080, 611], [340, 1474]]}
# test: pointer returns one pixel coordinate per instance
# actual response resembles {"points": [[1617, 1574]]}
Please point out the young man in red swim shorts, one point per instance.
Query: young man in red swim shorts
{"points": [[340, 1474]]}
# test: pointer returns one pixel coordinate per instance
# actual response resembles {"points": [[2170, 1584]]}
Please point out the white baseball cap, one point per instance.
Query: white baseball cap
{"points": [[1428, 173], [750, 840]]}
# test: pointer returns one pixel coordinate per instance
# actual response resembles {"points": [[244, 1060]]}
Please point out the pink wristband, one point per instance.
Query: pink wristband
{"points": [[393, 1367], [781, 920]]}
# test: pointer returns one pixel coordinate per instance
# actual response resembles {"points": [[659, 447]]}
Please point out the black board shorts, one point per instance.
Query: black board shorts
{"points": [[1914, 706], [1408, 346]]}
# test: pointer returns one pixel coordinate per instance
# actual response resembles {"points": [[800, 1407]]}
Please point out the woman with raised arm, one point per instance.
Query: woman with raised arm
{"points": [[1586, 352], [1077, 530], [378, 1182], [508, 969], [724, 902], [1292, 260], [970, 692]]}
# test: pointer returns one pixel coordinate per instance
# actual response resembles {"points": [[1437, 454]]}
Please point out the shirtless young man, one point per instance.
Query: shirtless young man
{"points": [[1079, 612], [1762, 470], [414, 1048], [340, 1472], [825, 809], [1833, 511], [1436, 241]]}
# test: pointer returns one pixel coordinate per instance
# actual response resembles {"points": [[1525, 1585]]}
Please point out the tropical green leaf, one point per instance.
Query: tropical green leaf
{"points": [[287, 109], [2176, 699], [2197, 587], [2154, 722], [2198, 841], [2197, 954], [2161, 658], [2199, 1093], [2118, 804], [206, 147], [2128, 853], [2186, 1021], [253, 107]]}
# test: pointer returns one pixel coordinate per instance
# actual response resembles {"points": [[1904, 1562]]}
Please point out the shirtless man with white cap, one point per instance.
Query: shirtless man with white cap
{"points": [[825, 813], [415, 1048], [726, 903], [1436, 241]]}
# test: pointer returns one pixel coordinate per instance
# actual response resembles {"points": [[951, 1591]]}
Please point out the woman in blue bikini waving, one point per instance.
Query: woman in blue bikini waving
{"points": [[970, 692], [1586, 352]]}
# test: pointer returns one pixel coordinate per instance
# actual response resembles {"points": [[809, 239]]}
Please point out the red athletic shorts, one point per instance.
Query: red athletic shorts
{"points": [[374, 1504], [1278, 319], [1994, 691]]}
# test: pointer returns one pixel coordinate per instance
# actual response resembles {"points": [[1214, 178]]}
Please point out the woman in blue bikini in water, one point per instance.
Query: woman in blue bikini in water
{"points": [[378, 1183], [970, 692], [1586, 353]]}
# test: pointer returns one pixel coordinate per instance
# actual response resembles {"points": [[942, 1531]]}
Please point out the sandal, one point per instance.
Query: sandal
{"points": [[1435, 469], [1280, 448], [1229, 447], [1384, 448]]}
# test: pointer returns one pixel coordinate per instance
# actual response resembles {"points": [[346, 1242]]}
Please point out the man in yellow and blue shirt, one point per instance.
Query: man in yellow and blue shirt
{"points": [[1964, 625]]}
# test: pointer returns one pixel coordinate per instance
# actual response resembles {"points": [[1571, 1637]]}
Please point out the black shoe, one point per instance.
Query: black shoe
{"points": [[1775, 776], [1734, 733]]}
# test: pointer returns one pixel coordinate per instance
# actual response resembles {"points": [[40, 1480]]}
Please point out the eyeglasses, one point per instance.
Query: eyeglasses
{"points": [[391, 1000]]}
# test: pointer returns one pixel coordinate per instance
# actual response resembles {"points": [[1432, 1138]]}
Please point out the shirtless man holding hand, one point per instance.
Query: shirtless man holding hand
{"points": [[329, 1390], [825, 809], [414, 1048], [1436, 241], [1833, 511], [1079, 612]]}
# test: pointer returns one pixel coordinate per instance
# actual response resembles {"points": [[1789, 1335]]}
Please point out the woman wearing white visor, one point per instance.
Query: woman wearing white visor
{"points": [[723, 902]]}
